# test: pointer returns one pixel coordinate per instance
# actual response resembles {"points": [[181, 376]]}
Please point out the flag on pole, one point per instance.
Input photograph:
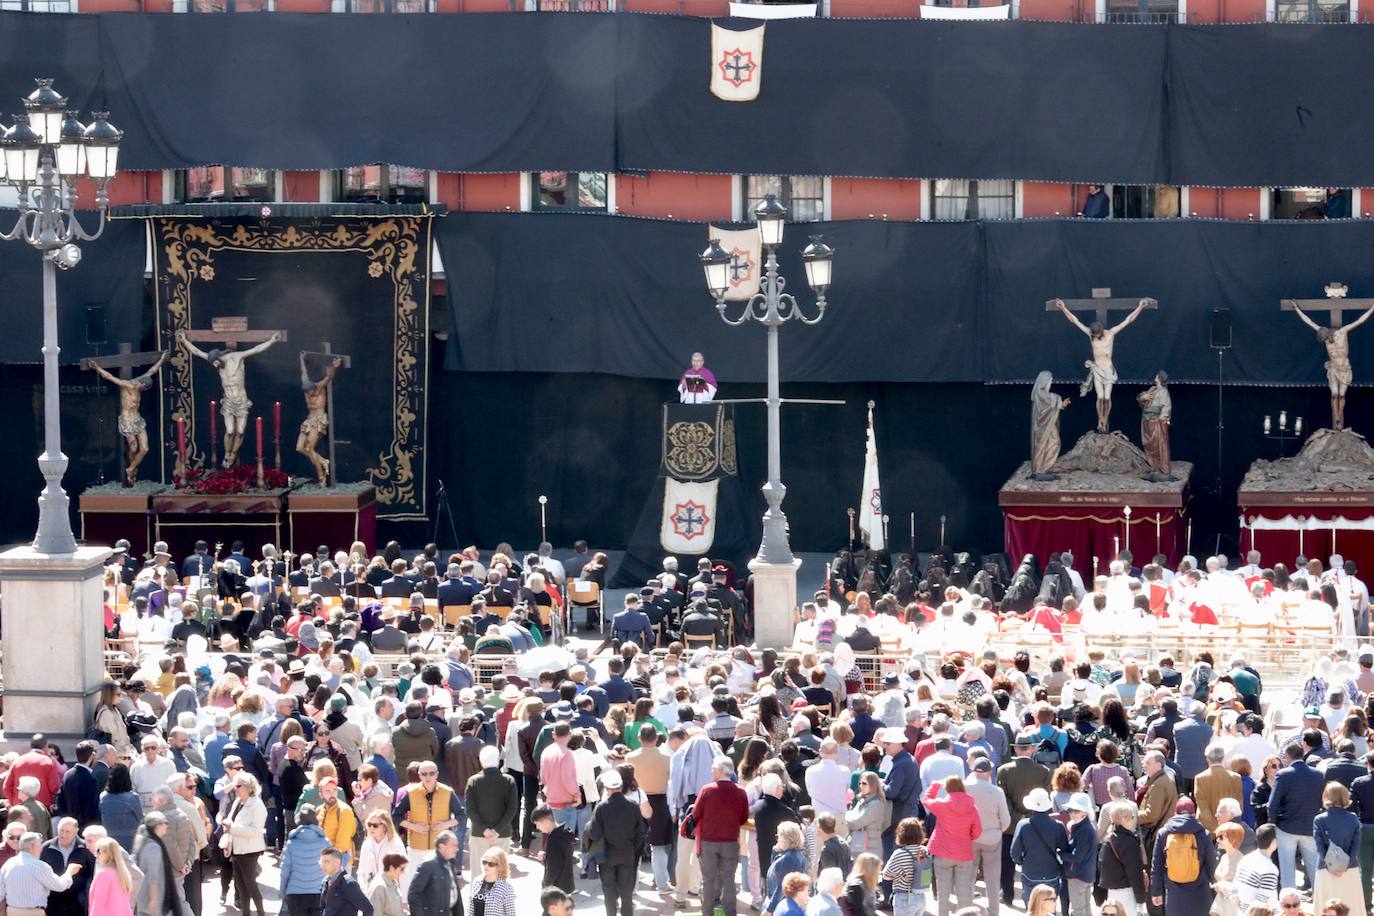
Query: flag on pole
{"points": [[871, 500]]}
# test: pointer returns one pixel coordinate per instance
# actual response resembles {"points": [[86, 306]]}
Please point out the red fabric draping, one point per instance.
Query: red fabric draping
{"points": [[1088, 532], [1284, 546], [310, 529]]}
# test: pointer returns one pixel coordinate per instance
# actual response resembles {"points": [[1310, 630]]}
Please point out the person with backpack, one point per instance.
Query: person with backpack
{"points": [[1182, 864], [1337, 834], [1050, 741], [1039, 845]]}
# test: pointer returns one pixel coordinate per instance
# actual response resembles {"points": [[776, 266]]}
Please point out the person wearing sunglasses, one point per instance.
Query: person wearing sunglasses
{"points": [[493, 894]]}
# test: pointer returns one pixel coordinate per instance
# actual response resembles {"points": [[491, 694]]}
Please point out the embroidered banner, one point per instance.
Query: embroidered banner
{"points": [[746, 260], [698, 441], [736, 63], [689, 516]]}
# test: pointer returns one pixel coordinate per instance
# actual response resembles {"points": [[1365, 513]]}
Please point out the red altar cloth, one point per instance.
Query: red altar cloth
{"points": [[1313, 539], [1088, 530]]}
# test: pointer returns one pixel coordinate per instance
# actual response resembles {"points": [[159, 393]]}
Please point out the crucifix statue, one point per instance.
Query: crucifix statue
{"points": [[131, 424], [1334, 338], [319, 405], [234, 403], [1101, 372]]}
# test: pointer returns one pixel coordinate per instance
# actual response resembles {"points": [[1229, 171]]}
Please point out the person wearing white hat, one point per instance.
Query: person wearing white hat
{"points": [[901, 785], [1080, 866], [492, 803], [1039, 844]]}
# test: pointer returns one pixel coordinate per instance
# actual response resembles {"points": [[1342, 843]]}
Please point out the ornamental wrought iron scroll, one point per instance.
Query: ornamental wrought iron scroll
{"points": [[397, 250]]}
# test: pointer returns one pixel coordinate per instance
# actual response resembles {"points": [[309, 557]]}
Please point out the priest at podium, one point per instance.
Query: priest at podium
{"points": [[698, 384]]}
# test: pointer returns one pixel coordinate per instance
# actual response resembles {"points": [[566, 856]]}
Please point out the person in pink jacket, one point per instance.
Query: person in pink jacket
{"points": [[112, 885], [957, 825]]}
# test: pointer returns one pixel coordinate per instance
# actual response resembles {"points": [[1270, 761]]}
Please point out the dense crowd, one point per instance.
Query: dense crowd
{"points": [[364, 747]]}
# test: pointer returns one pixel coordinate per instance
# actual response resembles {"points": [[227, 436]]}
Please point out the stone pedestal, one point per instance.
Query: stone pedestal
{"points": [[775, 602], [54, 650]]}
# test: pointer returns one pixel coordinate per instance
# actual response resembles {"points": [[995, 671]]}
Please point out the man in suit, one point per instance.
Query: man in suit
{"points": [[341, 895], [496, 594], [79, 796], [436, 889], [326, 584], [618, 825], [301, 577], [458, 588], [389, 638], [631, 624], [399, 585], [198, 563], [61, 851], [238, 556]]}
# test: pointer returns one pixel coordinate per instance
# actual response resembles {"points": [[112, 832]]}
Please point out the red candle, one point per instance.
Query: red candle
{"points": [[259, 419], [181, 439], [276, 422], [214, 427]]}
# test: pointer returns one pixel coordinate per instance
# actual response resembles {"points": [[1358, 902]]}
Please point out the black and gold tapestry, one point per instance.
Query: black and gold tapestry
{"points": [[698, 442], [361, 285]]}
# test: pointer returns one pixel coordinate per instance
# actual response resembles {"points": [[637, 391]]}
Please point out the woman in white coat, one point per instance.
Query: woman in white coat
{"points": [[244, 820]]}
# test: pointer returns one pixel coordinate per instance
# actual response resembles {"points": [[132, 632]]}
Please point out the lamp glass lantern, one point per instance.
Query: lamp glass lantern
{"points": [[818, 258], [71, 150], [22, 146], [769, 216], [102, 147], [46, 107], [715, 261]]}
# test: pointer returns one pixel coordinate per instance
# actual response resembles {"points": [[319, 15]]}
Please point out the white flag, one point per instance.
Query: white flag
{"points": [[871, 500], [689, 516], [746, 260], [736, 63]]}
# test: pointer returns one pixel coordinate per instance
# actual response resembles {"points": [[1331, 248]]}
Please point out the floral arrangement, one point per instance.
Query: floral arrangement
{"points": [[228, 481]]}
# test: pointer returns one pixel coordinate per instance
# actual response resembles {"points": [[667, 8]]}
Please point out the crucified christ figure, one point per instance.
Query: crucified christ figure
{"points": [[131, 423], [317, 417], [1338, 372], [1101, 372], [234, 403]]}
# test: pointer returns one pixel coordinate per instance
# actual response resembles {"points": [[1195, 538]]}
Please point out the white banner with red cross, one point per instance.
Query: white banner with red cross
{"points": [[689, 516], [746, 260], [736, 63]]}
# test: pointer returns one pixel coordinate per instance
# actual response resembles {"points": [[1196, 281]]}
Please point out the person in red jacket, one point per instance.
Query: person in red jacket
{"points": [[38, 764], [720, 811], [957, 825]]}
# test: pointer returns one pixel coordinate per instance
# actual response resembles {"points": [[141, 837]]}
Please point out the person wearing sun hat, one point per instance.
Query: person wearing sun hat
{"points": [[1039, 844]]}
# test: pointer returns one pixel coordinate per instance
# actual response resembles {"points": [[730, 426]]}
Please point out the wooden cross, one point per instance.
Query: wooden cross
{"points": [[1335, 303], [327, 356], [126, 360], [1100, 304], [231, 332]]}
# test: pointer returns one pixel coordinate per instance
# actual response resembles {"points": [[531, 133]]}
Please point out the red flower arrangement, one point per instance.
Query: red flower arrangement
{"points": [[228, 481]]}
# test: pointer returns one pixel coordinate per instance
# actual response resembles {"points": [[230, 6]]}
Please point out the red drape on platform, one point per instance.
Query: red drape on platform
{"points": [[1278, 546], [1088, 531]]}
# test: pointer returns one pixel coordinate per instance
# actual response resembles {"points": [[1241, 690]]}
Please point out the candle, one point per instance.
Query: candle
{"points": [[181, 439], [276, 422], [1094, 566], [214, 428], [913, 527], [259, 425], [1267, 424], [1116, 547], [1283, 419]]}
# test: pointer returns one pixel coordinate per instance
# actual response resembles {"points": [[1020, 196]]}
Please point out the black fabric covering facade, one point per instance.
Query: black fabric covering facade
{"points": [[1256, 105], [912, 302], [103, 297]]}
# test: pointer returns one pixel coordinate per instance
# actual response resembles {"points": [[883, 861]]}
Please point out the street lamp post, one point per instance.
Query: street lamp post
{"points": [[45, 151], [774, 567]]}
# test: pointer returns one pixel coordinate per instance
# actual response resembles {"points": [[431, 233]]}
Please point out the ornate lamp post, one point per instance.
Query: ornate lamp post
{"points": [[44, 153], [774, 567]]}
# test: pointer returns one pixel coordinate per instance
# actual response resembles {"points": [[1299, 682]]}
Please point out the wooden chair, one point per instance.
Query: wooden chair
{"points": [[432, 608], [455, 612], [586, 595], [696, 642]]}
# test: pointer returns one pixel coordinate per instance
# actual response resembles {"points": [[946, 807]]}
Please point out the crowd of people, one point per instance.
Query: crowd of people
{"points": [[397, 776]]}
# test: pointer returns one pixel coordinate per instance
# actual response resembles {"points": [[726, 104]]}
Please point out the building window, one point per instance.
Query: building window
{"points": [[1144, 201], [222, 6], [1311, 11], [569, 191], [802, 195], [1142, 11], [1310, 203], [38, 6], [381, 6], [220, 184], [378, 184], [973, 199], [571, 6]]}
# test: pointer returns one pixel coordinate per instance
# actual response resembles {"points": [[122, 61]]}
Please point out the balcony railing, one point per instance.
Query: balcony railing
{"points": [[1147, 17], [37, 6]]}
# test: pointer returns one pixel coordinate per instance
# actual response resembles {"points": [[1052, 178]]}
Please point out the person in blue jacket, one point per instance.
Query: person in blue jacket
{"points": [[1294, 803], [301, 875], [1080, 865], [1337, 827], [901, 787], [1039, 845]]}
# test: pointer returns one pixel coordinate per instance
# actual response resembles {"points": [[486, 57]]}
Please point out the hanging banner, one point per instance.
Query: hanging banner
{"points": [[698, 441], [871, 499], [689, 516], [736, 63], [746, 260]]}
